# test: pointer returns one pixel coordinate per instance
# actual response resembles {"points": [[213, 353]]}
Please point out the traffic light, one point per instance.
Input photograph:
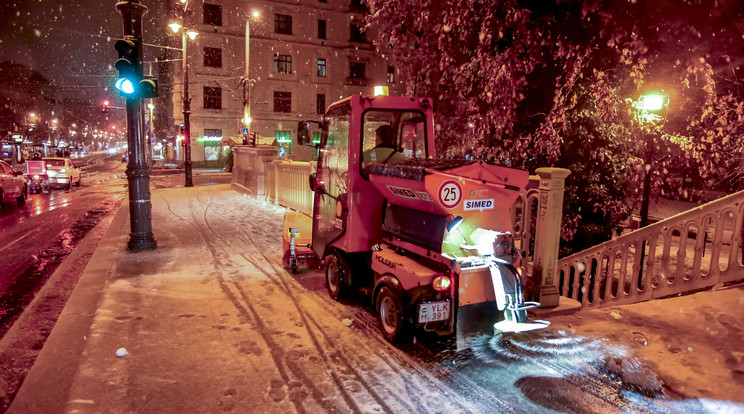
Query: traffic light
{"points": [[105, 107], [128, 67], [148, 87]]}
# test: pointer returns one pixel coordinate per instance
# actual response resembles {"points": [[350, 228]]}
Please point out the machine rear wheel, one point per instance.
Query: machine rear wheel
{"points": [[336, 271], [390, 315]]}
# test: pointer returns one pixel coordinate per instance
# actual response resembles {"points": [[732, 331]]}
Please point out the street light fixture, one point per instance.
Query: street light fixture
{"points": [[177, 27]]}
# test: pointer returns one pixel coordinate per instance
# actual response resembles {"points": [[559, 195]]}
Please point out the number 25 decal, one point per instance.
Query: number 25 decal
{"points": [[450, 193]]}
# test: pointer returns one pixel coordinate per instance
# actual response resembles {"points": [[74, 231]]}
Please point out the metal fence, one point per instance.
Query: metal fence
{"points": [[290, 186], [693, 250]]}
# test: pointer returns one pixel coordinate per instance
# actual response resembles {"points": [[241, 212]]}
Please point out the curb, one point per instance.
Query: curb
{"points": [[48, 383]]}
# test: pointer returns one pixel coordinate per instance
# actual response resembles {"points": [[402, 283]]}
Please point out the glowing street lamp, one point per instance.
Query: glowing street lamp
{"points": [[177, 27], [653, 107], [255, 14]]}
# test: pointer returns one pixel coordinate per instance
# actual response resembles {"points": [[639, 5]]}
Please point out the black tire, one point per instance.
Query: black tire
{"points": [[69, 184], [1, 198], [390, 316], [22, 198], [337, 270], [77, 184]]}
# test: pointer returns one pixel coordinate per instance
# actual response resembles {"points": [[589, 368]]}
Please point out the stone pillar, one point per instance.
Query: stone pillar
{"points": [[548, 234]]}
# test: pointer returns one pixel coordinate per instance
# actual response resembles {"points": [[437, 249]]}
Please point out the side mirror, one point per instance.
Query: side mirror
{"points": [[311, 181], [304, 134], [315, 185]]}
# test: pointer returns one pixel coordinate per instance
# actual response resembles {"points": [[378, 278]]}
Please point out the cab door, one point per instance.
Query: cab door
{"points": [[332, 180]]}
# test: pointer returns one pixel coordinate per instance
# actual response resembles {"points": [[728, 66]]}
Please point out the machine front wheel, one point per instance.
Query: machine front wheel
{"points": [[390, 315], [336, 271]]}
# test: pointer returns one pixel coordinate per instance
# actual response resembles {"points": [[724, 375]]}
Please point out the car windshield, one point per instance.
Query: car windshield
{"points": [[54, 162]]}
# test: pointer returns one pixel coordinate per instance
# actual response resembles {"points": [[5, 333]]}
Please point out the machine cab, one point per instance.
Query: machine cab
{"points": [[356, 132]]}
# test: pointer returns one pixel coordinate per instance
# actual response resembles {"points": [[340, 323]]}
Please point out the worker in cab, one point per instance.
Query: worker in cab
{"points": [[384, 150]]}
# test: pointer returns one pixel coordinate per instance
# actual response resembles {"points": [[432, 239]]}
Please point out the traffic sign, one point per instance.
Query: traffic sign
{"points": [[245, 131]]}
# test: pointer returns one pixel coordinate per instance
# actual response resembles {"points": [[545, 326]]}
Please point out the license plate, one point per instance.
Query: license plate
{"points": [[434, 311]]}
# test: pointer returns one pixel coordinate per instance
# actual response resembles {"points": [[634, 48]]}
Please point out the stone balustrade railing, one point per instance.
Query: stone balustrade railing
{"points": [[694, 250]]}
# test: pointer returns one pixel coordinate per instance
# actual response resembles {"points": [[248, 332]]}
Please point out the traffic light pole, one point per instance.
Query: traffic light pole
{"points": [[138, 172], [186, 114]]}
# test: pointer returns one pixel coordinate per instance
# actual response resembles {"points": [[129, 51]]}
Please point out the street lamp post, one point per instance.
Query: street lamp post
{"points": [[186, 99], [246, 121], [653, 110]]}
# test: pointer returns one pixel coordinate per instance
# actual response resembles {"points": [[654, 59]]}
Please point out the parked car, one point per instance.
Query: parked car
{"points": [[63, 171], [13, 185]]}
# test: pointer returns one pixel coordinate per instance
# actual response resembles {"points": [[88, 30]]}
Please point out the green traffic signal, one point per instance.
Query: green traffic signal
{"points": [[128, 66]]}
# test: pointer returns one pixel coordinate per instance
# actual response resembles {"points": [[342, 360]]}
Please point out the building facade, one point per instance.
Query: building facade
{"points": [[303, 56]]}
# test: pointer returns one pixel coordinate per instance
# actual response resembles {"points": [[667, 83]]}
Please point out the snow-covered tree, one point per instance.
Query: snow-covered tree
{"points": [[541, 83]]}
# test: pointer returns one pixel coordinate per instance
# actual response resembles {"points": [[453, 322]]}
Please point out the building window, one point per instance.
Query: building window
{"points": [[213, 14], [357, 70], [212, 98], [283, 64], [358, 6], [391, 74], [357, 33], [213, 57], [321, 29], [320, 104], [282, 101], [211, 141], [321, 68], [283, 24]]}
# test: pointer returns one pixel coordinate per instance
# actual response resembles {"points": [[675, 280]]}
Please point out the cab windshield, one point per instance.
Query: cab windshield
{"points": [[392, 137]]}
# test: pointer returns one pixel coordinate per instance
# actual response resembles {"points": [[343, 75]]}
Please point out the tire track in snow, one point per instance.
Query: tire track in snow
{"points": [[248, 311], [413, 389], [278, 281], [477, 398], [421, 375]]}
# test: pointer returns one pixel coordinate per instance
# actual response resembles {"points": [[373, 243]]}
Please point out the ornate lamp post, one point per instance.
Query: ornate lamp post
{"points": [[176, 27]]}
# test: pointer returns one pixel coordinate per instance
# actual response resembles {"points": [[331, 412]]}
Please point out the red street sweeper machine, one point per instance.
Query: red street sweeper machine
{"points": [[428, 239]]}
